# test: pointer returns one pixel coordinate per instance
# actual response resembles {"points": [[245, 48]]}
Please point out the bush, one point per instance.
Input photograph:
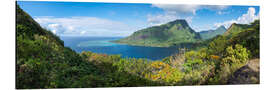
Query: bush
{"points": [[239, 54], [192, 64], [164, 73], [235, 57]]}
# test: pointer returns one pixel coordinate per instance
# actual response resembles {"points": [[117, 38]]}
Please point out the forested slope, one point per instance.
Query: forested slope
{"points": [[42, 61]]}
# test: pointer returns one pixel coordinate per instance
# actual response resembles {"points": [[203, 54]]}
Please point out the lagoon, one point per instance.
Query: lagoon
{"points": [[104, 46]]}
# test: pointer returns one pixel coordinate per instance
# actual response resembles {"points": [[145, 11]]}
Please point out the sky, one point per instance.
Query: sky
{"points": [[122, 19]]}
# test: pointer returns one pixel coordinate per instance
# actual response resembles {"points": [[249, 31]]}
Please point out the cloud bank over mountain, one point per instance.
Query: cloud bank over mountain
{"points": [[178, 11]]}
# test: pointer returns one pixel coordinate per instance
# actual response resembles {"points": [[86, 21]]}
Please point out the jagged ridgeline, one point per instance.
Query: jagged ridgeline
{"points": [[234, 29], [170, 34]]}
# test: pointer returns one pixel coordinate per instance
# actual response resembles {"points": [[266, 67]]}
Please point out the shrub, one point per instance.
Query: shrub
{"points": [[164, 73], [239, 54], [189, 65]]}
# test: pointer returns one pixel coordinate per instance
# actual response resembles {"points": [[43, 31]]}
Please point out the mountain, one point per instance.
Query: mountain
{"points": [[169, 34], [212, 33], [234, 29]]}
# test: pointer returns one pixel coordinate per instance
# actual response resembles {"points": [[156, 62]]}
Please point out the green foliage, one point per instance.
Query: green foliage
{"points": [[239, 54], [192, 55], [234, 59], [249, 39], [167, 60], [192, 64], [199, 75], [234, 29], [218, 45]]}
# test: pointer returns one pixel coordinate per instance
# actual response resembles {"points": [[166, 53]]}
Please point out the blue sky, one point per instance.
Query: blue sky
{"points": [[122, 19]]}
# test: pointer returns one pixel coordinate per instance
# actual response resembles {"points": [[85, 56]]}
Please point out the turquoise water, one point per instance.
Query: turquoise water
{"points": [[103, 45], [96, 43]]}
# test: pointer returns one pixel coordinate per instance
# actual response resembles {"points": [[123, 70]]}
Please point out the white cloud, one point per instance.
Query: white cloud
{"points": [[56, 28], [160, 18], [222, 12], [179, 11], [215, 7], [247, 18], [83, 32], [89, 26], [187, 9], [226, 24], [189, 19]]}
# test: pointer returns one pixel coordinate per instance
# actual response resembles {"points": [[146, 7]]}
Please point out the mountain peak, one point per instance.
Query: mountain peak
{"points": [[179, 21], [221, 27], [236, 28], [182, 22]]}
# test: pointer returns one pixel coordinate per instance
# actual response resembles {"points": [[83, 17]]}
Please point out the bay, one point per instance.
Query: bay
{"points": [[104, 46]]}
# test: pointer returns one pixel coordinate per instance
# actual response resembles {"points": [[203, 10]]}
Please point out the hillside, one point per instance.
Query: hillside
{"points": [[234, 29], [248, 38], [42, 61], [212, 33], [173, 33]]}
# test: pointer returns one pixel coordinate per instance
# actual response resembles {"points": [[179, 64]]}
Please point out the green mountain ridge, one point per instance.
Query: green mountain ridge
{"points": [[234, 29], [165, 35], [212, 33]]}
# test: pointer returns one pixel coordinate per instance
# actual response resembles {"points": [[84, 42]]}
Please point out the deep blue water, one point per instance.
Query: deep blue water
{"points": [[102, 45]]}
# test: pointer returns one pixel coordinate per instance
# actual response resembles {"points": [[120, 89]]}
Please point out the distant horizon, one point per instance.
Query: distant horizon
{"points": [[92, 19], [97, 36], [123, 36]]}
